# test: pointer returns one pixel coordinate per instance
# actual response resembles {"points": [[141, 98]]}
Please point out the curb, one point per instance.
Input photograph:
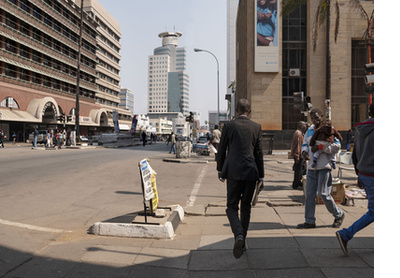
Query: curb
{"points": [[162, 231], [177, 160]]}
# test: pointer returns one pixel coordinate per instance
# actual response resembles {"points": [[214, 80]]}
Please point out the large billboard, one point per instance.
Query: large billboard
{"points": [[266, 46]]}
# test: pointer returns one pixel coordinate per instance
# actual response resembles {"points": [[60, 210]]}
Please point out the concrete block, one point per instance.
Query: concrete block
{"points": [[159, 230]]}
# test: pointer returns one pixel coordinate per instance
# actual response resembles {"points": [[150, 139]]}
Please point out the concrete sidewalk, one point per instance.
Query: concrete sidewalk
{"points": [[203, 242]]}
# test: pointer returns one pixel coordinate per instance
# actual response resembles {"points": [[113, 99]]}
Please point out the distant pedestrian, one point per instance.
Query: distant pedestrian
{"points": [[169, 139], [216, 137], [48, 144], [144, 138], [299, 166], [14, 138], [319, 178], [2, 137], [363, 159], [173, 143], [68, 142], [349, 140], [35, 137], [240, 162]]}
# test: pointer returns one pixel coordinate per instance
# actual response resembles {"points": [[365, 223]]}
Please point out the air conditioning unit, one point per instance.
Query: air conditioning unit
{"points": [[294, 72]]}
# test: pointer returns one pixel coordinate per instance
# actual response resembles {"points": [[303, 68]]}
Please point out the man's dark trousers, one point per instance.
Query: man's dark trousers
{"points": [[299, 171], [239, 191]]}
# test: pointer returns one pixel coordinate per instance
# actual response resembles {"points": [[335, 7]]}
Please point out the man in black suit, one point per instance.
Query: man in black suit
{"points": [[240, 162]]}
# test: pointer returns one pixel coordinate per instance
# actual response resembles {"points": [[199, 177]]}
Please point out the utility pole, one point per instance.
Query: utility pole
{"points": [[78, 77]]}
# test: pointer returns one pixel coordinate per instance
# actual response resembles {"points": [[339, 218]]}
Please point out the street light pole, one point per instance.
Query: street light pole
{"points": [[77, 134], [203, 50]]}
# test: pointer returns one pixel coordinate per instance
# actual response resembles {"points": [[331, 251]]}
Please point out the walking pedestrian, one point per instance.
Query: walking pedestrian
{"points": [[144, 138], [363, 159], [216, 137], [2, 137], [35, 137], [68, 143], [299, 166], [14, 137], [173, 143], [242, 167], [319, 178]]}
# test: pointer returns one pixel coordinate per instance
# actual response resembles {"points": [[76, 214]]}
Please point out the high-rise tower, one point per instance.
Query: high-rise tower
{"points": [[168, 81]]}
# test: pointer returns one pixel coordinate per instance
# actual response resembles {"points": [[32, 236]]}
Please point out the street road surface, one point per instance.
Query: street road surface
{"points": [[71, 189]]}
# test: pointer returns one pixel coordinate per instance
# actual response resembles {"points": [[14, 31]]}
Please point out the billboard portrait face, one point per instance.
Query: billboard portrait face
{"points": [[267, 22], [266, 38]]}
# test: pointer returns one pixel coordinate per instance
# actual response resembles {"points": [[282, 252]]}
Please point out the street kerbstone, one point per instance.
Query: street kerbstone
{"points": [[111, 255], [215, 211]]}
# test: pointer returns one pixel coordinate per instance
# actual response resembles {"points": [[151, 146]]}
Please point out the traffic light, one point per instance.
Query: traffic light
{"points": [[298, 101], [69, 118], [190, 118], [369, 78], [60, 118]]}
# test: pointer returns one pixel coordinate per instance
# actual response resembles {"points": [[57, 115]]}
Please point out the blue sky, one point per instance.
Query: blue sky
{"points": [[203, 25]]}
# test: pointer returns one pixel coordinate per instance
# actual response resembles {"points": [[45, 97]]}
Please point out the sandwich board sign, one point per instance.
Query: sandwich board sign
{"points": [[149, 187]]}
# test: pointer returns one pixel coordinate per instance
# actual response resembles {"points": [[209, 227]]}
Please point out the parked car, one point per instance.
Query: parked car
{"points": [[84, 138], [201, 146]]}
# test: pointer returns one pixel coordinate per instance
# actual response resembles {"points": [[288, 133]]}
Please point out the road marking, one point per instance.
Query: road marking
{"points": [[31, 227], [196, 188]]}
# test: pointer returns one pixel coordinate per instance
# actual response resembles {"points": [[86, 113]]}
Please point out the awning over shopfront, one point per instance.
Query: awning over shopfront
{"points": [[17, 116]]}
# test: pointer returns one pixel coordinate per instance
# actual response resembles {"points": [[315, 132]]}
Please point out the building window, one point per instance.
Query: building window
{"points": [[294, 65], [9, 102], [359, 96], [11, 70]]}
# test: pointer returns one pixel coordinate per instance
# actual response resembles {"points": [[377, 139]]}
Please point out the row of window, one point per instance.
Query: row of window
{"points": [[108, 54], [43, 80], [49, 41], [108, 67], [108, 42], [43, 59], [54, 23], [107, 29]]}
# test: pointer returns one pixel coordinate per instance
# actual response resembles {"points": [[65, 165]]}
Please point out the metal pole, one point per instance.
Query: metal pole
{"points": [[199, 50], [77, 134]]}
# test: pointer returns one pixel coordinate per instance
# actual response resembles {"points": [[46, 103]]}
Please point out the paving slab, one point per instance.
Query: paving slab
{"points": [[217, 260], [277, 258]]}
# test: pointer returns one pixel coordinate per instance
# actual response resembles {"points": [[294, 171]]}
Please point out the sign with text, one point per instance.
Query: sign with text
{"points": [[149, 182]]}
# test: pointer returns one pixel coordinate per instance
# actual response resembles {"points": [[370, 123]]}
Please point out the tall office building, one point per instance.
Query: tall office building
{"points": [[127, 99], [168, 81], [108, 58]]}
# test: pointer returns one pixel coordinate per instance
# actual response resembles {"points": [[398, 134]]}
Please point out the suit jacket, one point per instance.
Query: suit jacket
{"points": [[240, 155]]}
